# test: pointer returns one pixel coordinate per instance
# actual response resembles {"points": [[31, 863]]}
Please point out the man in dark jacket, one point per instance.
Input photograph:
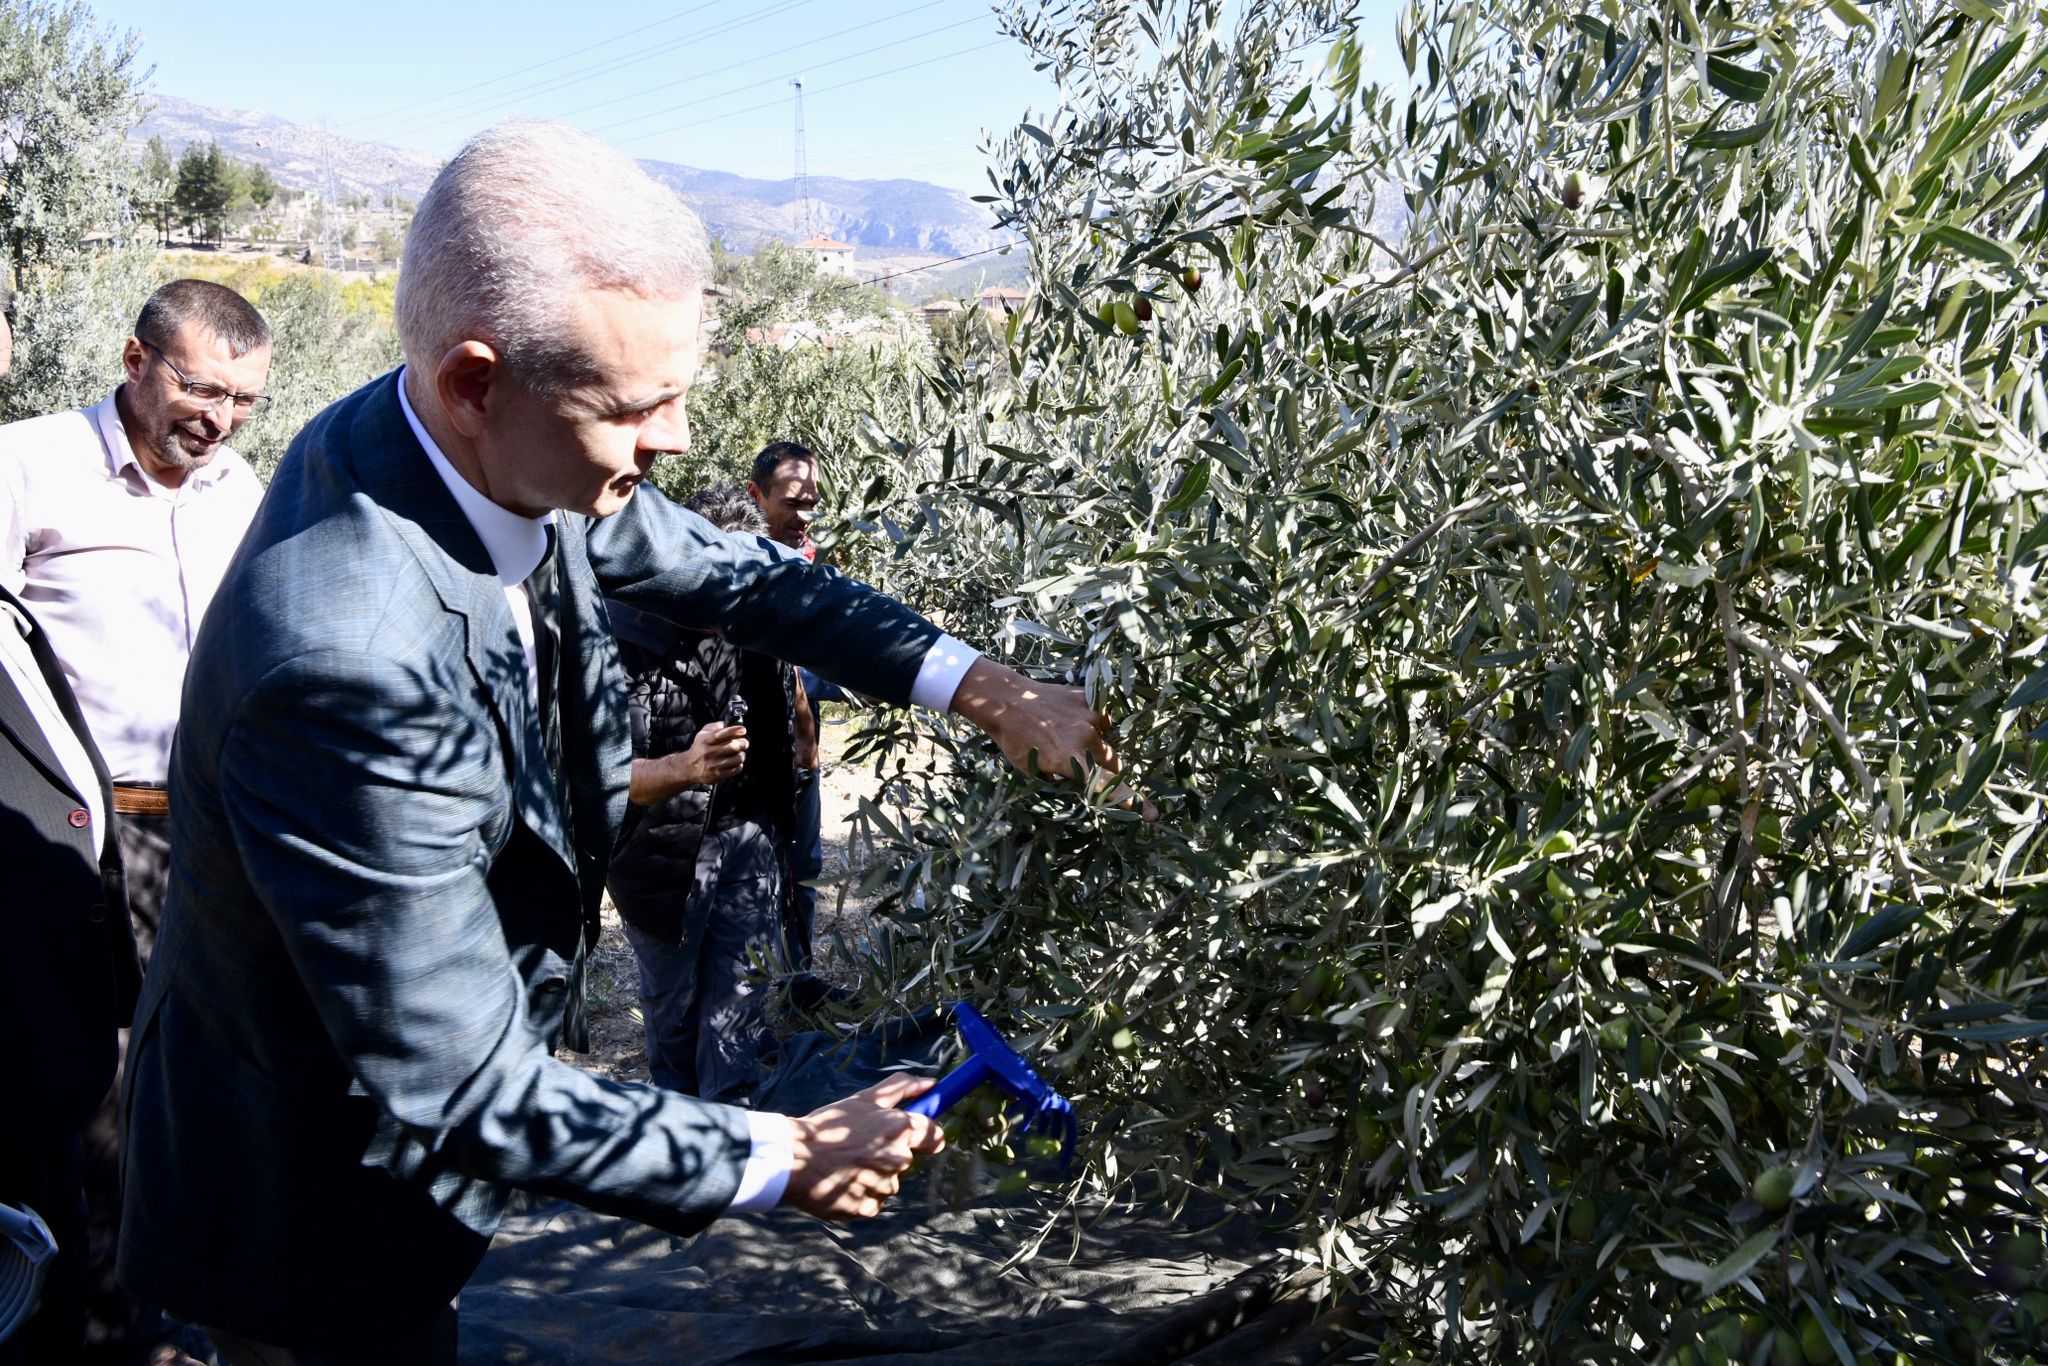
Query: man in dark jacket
{"points": [[784, 487], [68, 971], [698, 876], [401, 770]]}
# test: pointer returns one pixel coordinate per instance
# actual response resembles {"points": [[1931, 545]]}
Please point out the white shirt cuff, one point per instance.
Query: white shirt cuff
{"points": [[938, 678], [767, 1171]]}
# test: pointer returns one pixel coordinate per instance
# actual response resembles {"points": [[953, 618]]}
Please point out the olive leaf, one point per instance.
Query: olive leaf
{"points": [[1565, 568]]}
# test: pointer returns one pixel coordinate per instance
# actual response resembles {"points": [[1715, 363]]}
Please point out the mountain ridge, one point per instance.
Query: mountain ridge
{"points": [[898, 216]]}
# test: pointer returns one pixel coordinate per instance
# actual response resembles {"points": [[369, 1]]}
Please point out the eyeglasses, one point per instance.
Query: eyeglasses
{"points": [[210, 395]]}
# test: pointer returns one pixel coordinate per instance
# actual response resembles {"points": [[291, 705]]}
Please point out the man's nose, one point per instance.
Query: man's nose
{"points": [[668, 430]]}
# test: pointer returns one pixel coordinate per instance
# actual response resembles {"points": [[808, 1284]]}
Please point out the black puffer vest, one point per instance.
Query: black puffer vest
{"points": [[678, 681]]}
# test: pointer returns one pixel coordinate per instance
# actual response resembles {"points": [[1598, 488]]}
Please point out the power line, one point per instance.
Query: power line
{"points": [[551, 61], [750, 61], [565, 80], [950, 260], [418, 123], [858, 80], [600, 68], [895, 162], [776, 80]]}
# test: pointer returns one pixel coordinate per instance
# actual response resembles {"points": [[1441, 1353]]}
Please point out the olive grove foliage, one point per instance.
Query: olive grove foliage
{"points": [[68, 95], [759, 387], [1586, 652], [330, 341], [70, 323], [75, 317]]}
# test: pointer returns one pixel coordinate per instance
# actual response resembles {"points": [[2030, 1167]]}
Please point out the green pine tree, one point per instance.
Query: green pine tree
{"points": [[156, 185]]}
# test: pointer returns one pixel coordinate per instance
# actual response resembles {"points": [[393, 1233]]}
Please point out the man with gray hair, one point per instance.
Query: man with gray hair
{"points": [[403, 759]]}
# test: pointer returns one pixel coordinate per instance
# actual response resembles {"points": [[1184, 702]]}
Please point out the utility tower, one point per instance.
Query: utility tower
{"points": [[803, 169], [330, 203]]}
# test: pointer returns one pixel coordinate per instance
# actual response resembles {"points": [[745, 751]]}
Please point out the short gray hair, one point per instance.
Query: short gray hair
{"points": [[528, 215]]}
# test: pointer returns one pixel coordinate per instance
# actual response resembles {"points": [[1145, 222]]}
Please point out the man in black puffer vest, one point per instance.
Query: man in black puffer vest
{"points": [[697, 875]]}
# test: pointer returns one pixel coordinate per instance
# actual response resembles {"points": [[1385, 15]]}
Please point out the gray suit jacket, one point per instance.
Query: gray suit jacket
{"points": [[342, 1059]]}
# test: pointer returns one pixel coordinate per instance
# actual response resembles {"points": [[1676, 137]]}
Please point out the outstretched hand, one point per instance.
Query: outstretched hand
{"points": [[1046, 724], [848, 1157]]}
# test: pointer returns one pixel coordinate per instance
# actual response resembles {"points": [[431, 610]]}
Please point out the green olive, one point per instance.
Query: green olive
{"points": [[1813, 1341], [1772, 1188], [1372, 1136]]}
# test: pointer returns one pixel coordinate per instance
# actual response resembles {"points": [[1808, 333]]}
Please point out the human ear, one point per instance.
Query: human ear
{"points": [[464, 380]]}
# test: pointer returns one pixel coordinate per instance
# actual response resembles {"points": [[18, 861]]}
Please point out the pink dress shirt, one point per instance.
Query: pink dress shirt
{"points": [[117, 568]]}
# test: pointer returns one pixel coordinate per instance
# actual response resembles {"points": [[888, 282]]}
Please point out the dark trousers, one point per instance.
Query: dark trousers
{"points": [[698, 997], [432, 1346], [806, 864], [146, 861], [120, 1327], [44, 1174]]}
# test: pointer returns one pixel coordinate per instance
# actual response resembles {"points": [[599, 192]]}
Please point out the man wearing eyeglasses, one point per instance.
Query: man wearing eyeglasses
{"points": [[117, 523]]}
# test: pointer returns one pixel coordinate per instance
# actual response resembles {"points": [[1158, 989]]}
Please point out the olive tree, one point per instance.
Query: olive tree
{"points": [[330, 340], [1584, 646], [68, 96], [71, 322], [798, 355]]}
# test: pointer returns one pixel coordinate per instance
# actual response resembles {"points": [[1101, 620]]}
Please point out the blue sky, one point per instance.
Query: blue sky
{"points": [[892, 87]]}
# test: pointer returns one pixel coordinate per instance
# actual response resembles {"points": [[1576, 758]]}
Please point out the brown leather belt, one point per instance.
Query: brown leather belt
{"points": [[141, 801]]}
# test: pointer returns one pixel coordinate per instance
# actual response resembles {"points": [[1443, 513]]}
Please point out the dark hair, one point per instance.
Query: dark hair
{"points": [[217, 309], [728, 509], [775, 455]]}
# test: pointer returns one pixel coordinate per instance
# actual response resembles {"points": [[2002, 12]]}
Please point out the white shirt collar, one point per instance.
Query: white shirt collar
{"points": [[106, 420], [514, 543]]}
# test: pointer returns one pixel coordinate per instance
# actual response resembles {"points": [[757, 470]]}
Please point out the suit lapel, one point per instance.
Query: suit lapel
{"points": [[597, 742], [20, 722], [396, 472], [67, 703]]}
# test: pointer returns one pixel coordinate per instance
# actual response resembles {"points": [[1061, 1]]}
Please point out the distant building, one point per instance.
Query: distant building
{"points": [[833, 258], [1001, 300], [938, 311]]}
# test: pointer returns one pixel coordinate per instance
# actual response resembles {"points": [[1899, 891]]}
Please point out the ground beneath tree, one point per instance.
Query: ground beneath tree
{"points": [[934, 1280]]}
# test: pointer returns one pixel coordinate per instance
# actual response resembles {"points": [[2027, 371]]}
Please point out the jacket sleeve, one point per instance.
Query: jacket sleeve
{"points": [[360, 793], [665, 559]]}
